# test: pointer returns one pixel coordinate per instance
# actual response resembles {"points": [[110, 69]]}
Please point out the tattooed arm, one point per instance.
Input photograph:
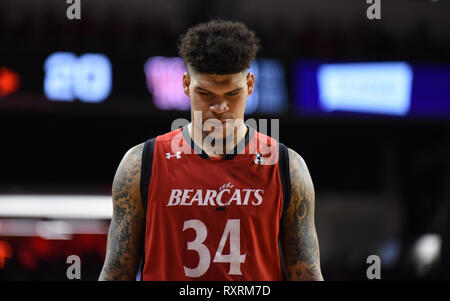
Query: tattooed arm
{"points": [[126, 231], [298, 234]]}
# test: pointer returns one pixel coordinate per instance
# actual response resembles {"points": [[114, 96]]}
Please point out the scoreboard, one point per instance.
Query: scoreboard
{"points": [[155, 83], [367, 89], [68, 77], [99, 82]]}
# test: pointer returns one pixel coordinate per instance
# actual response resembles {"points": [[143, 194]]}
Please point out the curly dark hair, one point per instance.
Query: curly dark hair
{"points": [[218, 47]]}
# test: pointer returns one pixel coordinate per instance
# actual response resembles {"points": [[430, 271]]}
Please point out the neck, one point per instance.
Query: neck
{"points": [[216, 147]]}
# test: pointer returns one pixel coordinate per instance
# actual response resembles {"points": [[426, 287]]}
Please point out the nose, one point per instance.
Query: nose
{"points": [[219, 108]]}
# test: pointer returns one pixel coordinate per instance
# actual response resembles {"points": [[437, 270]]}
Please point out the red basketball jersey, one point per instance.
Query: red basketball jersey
{"points": [[210, 218]]}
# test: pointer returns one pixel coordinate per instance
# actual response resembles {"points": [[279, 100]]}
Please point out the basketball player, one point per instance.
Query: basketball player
{"points": [[195, 204]]}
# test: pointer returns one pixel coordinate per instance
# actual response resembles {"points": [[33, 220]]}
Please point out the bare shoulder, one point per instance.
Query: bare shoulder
{"points": [[129, 171], [299, 239], [134, 155], [301, 181], [296, 162], [126, 184]]}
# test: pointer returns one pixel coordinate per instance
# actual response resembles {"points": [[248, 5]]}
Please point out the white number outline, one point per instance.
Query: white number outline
{"points": [[231, 232]]}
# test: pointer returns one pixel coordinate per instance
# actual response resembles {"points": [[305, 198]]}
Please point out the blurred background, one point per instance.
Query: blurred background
{"points": [[365, 102]]}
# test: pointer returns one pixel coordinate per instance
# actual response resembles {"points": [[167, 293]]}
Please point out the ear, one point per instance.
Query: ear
{"points": [[186, 83], [250, 83]]}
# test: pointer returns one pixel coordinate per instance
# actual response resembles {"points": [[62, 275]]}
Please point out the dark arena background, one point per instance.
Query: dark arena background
{"points": [[361, 92]]}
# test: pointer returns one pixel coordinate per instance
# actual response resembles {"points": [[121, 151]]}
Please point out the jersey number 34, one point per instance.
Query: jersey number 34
{"points": [[232, 232]]}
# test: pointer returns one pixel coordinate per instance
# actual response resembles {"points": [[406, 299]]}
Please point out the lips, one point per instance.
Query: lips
{"points": [[217, 121]]}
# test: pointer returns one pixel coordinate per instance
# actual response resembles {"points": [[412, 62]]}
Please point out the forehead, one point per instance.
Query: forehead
{"points": [[217, 81]]}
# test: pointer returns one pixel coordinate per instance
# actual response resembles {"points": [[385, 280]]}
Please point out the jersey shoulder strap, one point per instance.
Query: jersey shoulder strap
{"points": [[283, 164], [146, 169]]}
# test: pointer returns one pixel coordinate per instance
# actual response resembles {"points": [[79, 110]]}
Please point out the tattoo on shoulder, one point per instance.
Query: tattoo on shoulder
{"points": [[299, 239], [127, 224]]}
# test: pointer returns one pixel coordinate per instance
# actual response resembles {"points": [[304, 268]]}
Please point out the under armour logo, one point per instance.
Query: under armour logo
{"points": [[259, 159], [176, 155]]}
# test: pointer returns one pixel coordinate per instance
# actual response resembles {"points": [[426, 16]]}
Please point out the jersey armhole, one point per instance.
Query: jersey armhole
{"points": [[146, 170], [285, 176]]}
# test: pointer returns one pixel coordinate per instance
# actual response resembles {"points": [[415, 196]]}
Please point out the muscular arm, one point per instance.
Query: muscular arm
{"points": [[126, 231], [299, 239]]}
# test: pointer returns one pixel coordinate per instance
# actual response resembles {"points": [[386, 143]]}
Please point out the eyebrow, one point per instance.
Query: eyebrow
{"points": [[233, 91]]}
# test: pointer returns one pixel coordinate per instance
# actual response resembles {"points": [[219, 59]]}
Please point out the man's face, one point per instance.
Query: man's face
{"points": [[218, 98]]}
